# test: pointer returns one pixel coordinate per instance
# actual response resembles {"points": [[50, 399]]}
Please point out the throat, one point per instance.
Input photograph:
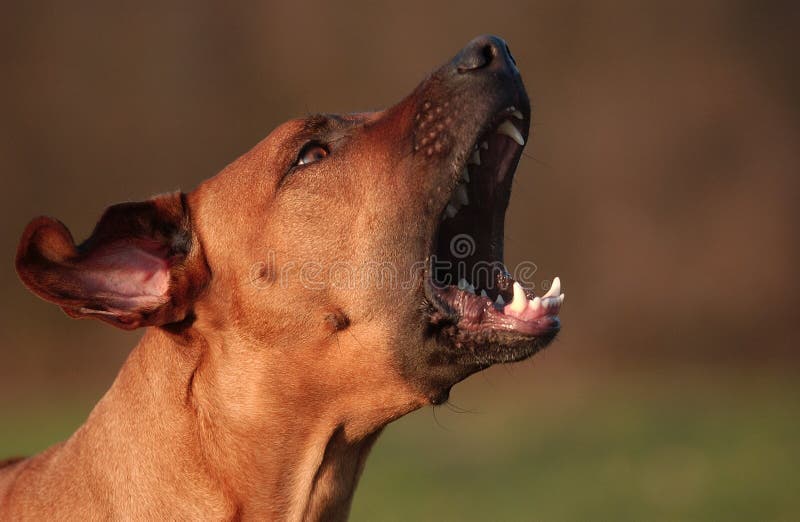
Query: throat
{"points": [[290, 470], [337, 476], [286, 446]]}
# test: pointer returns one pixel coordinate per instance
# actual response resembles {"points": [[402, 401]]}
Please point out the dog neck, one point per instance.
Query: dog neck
{"points": [[261, 445]]}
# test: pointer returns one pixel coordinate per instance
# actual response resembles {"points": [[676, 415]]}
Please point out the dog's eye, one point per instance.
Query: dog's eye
{"points": [[311, 152]]}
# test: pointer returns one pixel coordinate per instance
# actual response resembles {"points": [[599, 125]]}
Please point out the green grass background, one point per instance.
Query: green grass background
{"points": [[518, 445]]}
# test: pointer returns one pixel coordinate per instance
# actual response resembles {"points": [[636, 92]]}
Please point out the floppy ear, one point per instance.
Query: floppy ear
{"points": [[143, 265]]}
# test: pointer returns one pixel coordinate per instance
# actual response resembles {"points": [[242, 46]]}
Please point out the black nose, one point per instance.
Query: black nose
{"points": [[485, 52]]}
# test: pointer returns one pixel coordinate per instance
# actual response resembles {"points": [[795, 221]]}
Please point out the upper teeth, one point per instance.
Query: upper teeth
{"points": [[460, 194], [475, 159], [460, 197], [511, 131]]}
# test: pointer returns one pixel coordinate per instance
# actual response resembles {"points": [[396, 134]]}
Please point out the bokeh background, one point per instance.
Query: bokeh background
{"points": [[661, 184]]}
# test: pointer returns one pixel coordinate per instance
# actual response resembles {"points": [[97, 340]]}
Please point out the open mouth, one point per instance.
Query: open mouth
{"points": [[467, 283]]}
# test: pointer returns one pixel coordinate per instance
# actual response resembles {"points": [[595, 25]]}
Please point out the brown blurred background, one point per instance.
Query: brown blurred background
{"points": [[666, 142]]}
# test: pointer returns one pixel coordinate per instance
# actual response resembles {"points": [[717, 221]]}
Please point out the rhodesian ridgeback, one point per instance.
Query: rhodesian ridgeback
{"points": [[344, 272]]}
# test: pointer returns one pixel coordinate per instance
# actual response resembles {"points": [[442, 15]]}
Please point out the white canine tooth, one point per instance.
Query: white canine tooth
{"points": [[462, 284], [450, 211], [465, 175], [475, 159], [485, 145], [461, 196], [471, 289], [509, 130], [555, 288], [517, 114], [484, 294], [520, 301], [500, 301]]}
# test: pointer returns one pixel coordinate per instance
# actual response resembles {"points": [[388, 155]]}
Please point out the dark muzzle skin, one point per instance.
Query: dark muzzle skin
{"points": [[444, 115], [438, 127], [447, 113]]}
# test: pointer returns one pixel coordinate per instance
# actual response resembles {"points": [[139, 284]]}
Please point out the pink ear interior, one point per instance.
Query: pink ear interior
{"points": [[128, 273]]}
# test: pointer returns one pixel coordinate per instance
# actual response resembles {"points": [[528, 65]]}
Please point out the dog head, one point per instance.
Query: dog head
{"points": [[360, 253]]}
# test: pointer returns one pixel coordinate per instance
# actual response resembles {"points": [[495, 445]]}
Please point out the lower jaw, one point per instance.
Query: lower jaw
{"points": [[488, 341], [485, 347]]}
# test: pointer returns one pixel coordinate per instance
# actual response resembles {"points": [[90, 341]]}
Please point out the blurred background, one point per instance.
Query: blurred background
{"points": [[666, 142]]}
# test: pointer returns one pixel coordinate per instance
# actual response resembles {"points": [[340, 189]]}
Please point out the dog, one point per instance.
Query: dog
{"points": [[344, 272]]}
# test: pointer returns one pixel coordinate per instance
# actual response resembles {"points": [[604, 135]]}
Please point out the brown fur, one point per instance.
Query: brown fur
{"points": [[251, 395]]}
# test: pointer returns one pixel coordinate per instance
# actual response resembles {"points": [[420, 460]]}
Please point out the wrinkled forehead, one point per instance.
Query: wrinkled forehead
{"points": [[323, 127]]}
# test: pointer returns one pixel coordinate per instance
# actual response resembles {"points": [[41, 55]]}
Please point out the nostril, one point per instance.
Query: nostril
{"points": [[485, 52], [488, 52], [477, 56]]}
